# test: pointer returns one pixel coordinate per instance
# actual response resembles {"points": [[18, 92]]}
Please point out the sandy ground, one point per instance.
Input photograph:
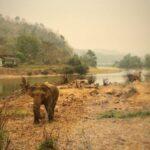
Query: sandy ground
{"points": [[76, 125]]}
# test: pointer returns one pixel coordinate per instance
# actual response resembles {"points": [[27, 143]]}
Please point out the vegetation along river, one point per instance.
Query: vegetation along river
{"points": [[8, 86]]}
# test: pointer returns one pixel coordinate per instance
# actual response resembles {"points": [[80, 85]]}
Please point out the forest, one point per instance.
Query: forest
{"points": [[32, 43]]}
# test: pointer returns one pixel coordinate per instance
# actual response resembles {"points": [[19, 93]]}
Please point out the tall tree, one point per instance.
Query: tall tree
{"points": [[147, 61], [90, 58], [28, 46], [129, 61]]}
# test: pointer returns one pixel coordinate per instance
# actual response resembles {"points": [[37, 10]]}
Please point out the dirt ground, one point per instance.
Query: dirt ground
{"points": [[76, 125]]}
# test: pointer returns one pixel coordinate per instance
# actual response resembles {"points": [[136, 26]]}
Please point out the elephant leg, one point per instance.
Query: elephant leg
{"points": [[49, 112], [36, 110]]}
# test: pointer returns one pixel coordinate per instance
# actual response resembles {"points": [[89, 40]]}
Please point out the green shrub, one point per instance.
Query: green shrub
{"points": [[48, 144], [81, 69], [91, 79], [123, 115]]}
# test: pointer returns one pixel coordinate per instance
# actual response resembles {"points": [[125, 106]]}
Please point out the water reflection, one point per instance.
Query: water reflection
{"points": [[8, 86]]}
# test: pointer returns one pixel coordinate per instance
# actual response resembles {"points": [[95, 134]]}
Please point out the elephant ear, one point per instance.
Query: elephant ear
{"points": [[31, 90], [46, 91]]}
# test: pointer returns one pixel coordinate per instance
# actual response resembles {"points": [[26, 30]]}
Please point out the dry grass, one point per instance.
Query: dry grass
{"points": [[4, 138], [99, 70], [75, 117]]}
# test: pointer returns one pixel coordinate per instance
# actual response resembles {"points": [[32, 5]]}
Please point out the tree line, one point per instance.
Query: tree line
{"points": [[81, 64], [133, 62], [35, 44]]}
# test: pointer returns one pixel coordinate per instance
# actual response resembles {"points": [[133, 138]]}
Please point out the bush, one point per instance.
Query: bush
{"points": [[76, 66], [91, 79], [49, 142], [47, 145], [68, 70], [81, 69]]}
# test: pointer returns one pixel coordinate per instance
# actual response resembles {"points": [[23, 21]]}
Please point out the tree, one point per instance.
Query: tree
{"points": [[17, 18], [77, 65], [74, 61], [147, 61], [129, 61], [90, 58], [28, 46]]}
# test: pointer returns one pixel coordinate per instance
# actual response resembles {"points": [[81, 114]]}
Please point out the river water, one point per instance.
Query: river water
{"points": [[8, 86]]}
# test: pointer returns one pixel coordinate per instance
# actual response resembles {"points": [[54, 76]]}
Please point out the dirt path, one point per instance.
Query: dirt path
{"points": [[76, 123]]}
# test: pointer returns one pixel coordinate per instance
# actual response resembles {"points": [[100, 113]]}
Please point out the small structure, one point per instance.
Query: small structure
{"points": [[8, 61]]}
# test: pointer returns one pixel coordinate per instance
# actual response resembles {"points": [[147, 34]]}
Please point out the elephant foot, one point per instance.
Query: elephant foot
{"points": [[36, 122], [50, 119]]}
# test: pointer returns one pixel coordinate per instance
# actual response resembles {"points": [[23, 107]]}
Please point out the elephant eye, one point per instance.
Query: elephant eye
{"points": [[32, 88]]}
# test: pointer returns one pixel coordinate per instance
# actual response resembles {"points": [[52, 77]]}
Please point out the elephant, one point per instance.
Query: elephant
{"points": [[43, 94]]}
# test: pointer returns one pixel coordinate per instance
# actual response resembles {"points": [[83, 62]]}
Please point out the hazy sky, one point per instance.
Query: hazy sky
{"points": [[122, 25]]}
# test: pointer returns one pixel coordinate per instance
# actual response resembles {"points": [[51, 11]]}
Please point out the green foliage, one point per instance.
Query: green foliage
{"points": [[81, 69], [91, 79], [129, 61], [47, 145], [90, 58], [28, 46], [124, 115], [76, 65], [68, 70], [32, 43], [147, 61], [74, 61]]}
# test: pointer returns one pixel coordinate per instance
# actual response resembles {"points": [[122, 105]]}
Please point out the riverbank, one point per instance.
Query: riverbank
{"points": [[34, 71], [85, 117], [104, 70], [26, 76]]}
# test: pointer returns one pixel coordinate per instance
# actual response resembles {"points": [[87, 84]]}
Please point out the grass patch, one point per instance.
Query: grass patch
{"points": [[123, 115], [48, 144], [4, 139], [20, 113]]}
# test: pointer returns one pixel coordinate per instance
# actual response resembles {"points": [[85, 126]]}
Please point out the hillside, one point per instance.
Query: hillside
{"points": [[32, 43]]}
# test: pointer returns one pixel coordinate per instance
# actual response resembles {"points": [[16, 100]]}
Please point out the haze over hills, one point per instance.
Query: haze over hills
{"points": [[104, 57]]}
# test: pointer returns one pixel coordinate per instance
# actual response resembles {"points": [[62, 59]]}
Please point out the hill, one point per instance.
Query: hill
{"points": [[32, 43]]}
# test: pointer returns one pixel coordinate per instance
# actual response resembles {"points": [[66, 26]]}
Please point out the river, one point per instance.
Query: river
{"points": [[8, 86]]}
